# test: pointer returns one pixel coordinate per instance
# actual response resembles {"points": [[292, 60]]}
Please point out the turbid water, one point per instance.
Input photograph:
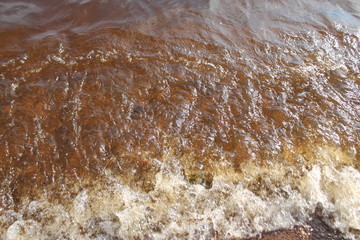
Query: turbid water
{"points": [[185, 119]]}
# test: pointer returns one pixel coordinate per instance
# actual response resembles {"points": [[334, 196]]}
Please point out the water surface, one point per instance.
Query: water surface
{"points": [[178, 119]]}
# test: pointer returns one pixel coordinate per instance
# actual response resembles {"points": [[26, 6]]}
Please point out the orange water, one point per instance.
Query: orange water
{"points": [[141, 104]]}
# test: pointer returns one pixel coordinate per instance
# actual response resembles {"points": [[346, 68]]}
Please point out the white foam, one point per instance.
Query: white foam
{"points": [[176, 209], [23, 229], [339, 193]]}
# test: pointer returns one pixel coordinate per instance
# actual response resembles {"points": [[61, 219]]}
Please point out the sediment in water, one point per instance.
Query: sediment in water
{"points": [[179, 119], [235, 205]]}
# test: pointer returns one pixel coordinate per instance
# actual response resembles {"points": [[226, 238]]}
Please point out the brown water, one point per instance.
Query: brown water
{"points": [[178, 119]]}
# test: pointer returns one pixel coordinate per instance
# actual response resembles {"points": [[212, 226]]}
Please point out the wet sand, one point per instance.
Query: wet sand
{"points": [[316, 230]]}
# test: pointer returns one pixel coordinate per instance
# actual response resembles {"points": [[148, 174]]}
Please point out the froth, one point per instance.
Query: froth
{"points": [[177, 209]]}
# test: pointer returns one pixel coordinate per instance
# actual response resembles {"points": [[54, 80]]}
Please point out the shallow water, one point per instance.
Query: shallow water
{"points": [[178, 119]]}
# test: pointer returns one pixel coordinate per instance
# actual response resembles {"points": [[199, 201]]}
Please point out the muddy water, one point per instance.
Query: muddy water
{"points": [[178, 119]]}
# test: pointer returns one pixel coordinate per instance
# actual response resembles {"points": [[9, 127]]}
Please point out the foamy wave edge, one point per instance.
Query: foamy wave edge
{"points": [[177, 209]]}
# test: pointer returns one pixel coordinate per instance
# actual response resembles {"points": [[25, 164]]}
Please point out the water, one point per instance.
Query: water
{"points": [[178, 119]]}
